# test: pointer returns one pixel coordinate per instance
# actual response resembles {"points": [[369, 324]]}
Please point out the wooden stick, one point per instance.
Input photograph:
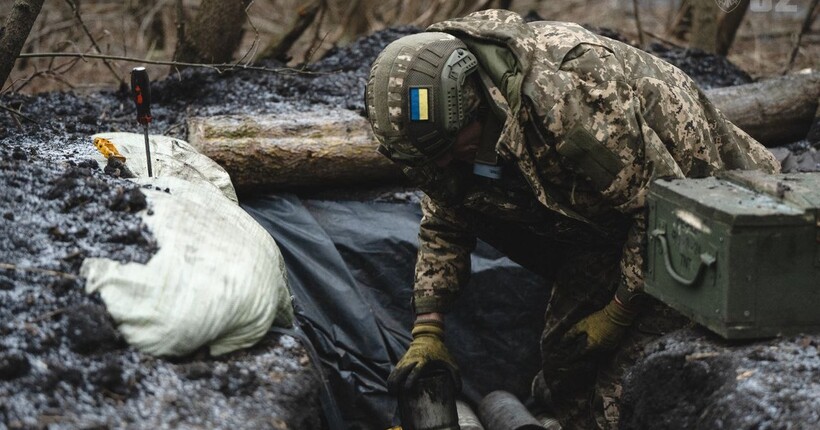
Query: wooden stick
{"points": [[9, 266]]}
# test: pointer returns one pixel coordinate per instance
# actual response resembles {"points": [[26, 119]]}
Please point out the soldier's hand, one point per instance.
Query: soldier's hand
{"points": [[600, 332], [426, 352]]}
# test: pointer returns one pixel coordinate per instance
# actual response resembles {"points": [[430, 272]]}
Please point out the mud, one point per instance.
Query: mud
{"points": [[62, 362], [708, 70], [693, 379]]}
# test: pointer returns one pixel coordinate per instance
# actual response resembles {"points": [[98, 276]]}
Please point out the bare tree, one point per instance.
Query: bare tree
{"points": [[728, 23], [14, 33], [704, 25], [709, 28], [215, 33], [305, 16]]}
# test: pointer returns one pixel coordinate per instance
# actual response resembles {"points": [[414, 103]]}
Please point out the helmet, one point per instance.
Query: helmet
{"points": [[416, 97]]}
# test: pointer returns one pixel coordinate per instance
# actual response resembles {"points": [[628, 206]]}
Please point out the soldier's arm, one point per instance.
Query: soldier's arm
{"points": [[443, 263], [606, 142], [632, 277]]}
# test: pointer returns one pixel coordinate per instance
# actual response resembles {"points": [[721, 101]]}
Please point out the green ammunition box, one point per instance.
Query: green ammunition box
{"points": [[739, 253]]}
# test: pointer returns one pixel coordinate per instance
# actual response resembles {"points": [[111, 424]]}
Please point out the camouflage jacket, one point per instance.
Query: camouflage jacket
{"points": [[588, 123]]}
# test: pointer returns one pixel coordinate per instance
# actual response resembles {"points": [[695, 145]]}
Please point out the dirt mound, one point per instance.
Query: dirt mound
{"points": [[692, 379], [708, 70], [62, 362]]}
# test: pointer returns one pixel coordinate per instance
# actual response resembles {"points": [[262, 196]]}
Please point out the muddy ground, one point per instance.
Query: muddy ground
{"points": [[694, 379], [62, 363]]}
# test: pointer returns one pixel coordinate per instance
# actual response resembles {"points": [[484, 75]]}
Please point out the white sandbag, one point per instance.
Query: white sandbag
{"points": [[169, 157], [218, 278]]}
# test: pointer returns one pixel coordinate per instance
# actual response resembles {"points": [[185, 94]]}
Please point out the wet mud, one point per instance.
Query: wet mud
{"points": [[62, 362], [693, 379]]}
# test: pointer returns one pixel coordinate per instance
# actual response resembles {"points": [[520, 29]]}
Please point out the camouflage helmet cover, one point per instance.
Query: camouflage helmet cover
{"points": [[416, 97]]}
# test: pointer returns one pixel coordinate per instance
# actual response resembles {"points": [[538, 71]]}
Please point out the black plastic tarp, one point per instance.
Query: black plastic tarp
{"points": [[350, 269]]}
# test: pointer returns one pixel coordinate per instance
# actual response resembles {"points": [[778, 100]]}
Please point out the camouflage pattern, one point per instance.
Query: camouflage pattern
{"points": [[588, 124], [385, 98]]}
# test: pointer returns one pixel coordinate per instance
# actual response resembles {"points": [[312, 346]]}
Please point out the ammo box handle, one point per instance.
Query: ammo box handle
{"points": [[706, 260]]}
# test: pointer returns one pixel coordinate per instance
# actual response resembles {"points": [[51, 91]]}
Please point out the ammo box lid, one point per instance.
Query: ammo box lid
{"points": [[724, 200], [798, 189]]}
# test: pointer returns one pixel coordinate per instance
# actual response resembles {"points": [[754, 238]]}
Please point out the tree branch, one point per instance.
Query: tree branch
{"points": [[76, 9], [17, 113], [217, 67], [803, 29], [8, 266]]}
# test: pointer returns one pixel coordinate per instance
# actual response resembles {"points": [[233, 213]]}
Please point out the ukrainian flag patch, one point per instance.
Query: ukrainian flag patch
{"points": [[419, 104]]}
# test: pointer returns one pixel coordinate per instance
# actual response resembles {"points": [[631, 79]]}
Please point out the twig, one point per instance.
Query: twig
{"points": [[314, 46], [255, 45], [803, 29], [52, 72], [48, 315], [8, 266], [17, 113], [217, 67], [79, 19], [310, 54], [641, 40]]}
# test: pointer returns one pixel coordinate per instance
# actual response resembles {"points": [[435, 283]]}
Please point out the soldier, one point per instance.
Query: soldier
{"points": [[541, 139]]}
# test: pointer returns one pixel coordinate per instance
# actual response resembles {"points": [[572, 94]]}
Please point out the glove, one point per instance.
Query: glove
{"points": [[426, 352], [600, 332]]}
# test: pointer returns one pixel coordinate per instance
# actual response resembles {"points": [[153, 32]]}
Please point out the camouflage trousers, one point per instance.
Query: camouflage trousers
{"points": [[584, 276]]}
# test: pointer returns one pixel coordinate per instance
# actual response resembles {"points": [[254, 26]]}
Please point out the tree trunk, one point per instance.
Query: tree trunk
{"points": [[278, 49], [215, 33], [321, 148], [331, 147], [774, 111], [704, 26], [14, 33], [728, 23]]}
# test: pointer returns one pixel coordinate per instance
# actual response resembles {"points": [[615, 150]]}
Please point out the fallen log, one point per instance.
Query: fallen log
{"points": [[774, 111], [320, 148], [331, 146]]}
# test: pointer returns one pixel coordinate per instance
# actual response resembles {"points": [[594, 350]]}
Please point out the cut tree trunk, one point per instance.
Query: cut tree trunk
{"points": [[14, 33], [321, 148], [330, 147], [775, 111]]}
